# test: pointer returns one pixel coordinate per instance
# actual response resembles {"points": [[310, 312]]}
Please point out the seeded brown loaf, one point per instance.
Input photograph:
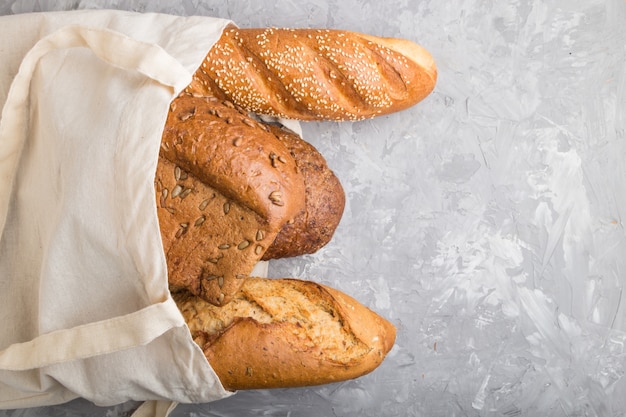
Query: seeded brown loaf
{"points": [[221, 145], [225, 187], [310, 74], [325, 200], [287, 333]]}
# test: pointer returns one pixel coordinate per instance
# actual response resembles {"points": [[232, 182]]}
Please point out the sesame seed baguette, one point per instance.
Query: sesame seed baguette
{"points": [[281, 333], [310, 74]]}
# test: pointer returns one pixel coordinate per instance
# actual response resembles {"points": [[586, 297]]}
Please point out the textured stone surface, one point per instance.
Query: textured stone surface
{"points": [[485, 223]]}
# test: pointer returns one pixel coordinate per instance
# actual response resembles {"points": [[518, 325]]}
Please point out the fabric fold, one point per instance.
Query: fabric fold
{"points": [[83, 277]]}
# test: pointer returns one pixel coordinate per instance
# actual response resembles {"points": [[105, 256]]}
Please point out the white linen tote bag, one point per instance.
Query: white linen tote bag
{"points": [[84, 302]]}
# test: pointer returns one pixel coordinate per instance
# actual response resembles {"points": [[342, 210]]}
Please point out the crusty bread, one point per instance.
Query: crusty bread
{"points": [[287, 333], [211, 242], [225, 187], [232, 191], [325, 200], [222, 146], [310, 74]]}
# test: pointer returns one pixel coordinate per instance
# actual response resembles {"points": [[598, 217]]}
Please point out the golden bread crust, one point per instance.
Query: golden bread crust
{"points": [[225, 186], [314, 74], [287, 333], [325, 200]]}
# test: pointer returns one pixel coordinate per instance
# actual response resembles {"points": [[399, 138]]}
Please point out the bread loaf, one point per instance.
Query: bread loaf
{"points": [[310, 74], [287, 333], [225, 187], [222, 146], [325, 200], [232, 191]]}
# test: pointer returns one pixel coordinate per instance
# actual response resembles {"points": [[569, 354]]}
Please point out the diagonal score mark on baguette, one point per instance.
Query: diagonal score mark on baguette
{"points": [[311, 74], [404, 52], [238, 72], [287, 333], [411, 50]]}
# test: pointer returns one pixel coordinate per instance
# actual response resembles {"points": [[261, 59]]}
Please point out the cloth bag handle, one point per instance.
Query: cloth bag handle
{"points": [[80, 342], [112, 47], [134, 329]]}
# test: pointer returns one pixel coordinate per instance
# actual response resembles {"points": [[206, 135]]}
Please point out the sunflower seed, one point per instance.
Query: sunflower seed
{"points": [[223, 246], [187, 115], [179, 174], [216, 259], [176, 191], [248, 121], [164, 193], [258, 249], [185, 193], [199, 221], [220, 299], [276, 197], [226, 207], [203, 205], [181, 231], [220, 281], [260, 234], [244, 244]]}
